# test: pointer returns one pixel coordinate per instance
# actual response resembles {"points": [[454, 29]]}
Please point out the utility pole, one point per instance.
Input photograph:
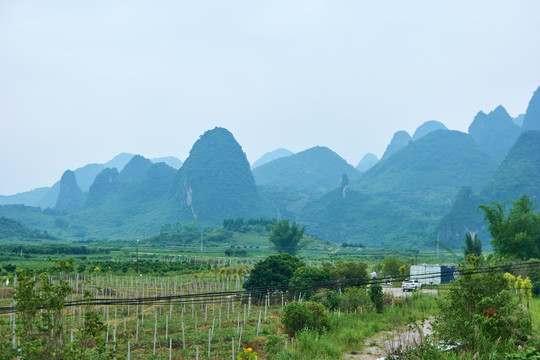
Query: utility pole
{"points": [[138, 256]]}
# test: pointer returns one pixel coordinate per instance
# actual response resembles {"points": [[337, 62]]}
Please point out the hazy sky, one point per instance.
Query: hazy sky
{"points": [[81, 81]]}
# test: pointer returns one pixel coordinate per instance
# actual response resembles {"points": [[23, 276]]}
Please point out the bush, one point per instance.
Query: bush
{"points": [[377, 297], [479, 306], [274, 344], [536, 288], [308, 315], [350, 300]]}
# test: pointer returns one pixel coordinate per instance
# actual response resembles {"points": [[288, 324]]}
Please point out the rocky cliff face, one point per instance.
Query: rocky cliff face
{"points": [[531, 121], [398, 142], [496, 132], [105, 186], [519, 173], [70, 197], [135, 170], [216, 182]]}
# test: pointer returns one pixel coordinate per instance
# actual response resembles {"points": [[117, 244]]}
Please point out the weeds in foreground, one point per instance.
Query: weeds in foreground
{"points": [[349, 332]]}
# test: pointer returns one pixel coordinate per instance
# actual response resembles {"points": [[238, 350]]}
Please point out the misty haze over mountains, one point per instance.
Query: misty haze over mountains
{"points": [[424, 188]]}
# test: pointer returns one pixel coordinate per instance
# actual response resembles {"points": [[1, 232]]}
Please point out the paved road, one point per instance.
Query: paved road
{"points": [[397, 292]]}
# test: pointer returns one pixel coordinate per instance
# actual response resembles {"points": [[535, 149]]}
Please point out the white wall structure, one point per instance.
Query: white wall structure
{"points": [[426, 273]]}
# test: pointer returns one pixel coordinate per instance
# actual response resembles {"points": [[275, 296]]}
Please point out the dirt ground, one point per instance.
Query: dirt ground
{"points": [[383, 343]]}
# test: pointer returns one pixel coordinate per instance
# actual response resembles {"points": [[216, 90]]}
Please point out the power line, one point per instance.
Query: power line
{"points": [[210, 297]]}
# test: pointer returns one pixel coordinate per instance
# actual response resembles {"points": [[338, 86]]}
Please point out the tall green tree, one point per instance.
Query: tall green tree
{"points": [[307, 276], [516, 232], [472, 246], [286, 237], [273, 272], [391, 266]]}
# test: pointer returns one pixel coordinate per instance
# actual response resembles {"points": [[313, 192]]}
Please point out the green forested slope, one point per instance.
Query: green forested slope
{"points": [[441, 161], [496, 132], [12, 230], [315, 169], [216, 182], [519, 173], [374, 221]]}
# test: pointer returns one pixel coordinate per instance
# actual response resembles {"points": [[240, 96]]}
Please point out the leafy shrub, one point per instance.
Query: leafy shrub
{"points": [[536, 288], [350, 300], [479, 306], [310, 315], [274, 344], [235, 252], [377, 297], [530, 353]]}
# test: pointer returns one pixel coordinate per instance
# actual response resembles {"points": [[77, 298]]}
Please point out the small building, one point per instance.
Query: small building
{"points": [[433, 274]]}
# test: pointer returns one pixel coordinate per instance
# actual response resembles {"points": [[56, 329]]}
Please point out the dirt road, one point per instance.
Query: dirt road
{"points": [[398, 292]]}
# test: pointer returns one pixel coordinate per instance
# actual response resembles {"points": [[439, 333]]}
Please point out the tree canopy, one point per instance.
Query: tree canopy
{"points": [[516, 232], [472, 246], [273, 272], [286, 237]]}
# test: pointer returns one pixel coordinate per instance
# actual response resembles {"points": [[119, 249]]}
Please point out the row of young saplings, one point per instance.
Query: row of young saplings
{"points": [[185, 326]]}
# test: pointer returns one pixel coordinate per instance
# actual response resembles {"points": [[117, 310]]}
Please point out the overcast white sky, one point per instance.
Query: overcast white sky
{"points": [[81, 81]]}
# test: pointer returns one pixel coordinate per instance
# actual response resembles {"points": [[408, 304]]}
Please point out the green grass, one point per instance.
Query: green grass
{"points": [[534, 310], [349, 332]]}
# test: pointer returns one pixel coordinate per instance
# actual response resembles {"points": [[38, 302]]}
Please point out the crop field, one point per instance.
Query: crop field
{"points": [[179, 317], [194, 306]]}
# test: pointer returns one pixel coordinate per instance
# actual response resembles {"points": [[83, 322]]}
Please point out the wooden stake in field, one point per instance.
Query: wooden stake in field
{"points": [[265, 306], [259, 323], [137, 329], [240, 338], [183, 337], [155, 336], [209, 341]]}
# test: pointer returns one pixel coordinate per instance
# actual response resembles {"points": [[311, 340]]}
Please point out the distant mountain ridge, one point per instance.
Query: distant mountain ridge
{"points": [[367, 162], [399, 201], [531, 120], [496, 132], [216, 181], [46, 197], [443, 160], [270, 156], [426, 128], [426, 189], [518, 174], [400, 139], [70, 197], [314, 169]]}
